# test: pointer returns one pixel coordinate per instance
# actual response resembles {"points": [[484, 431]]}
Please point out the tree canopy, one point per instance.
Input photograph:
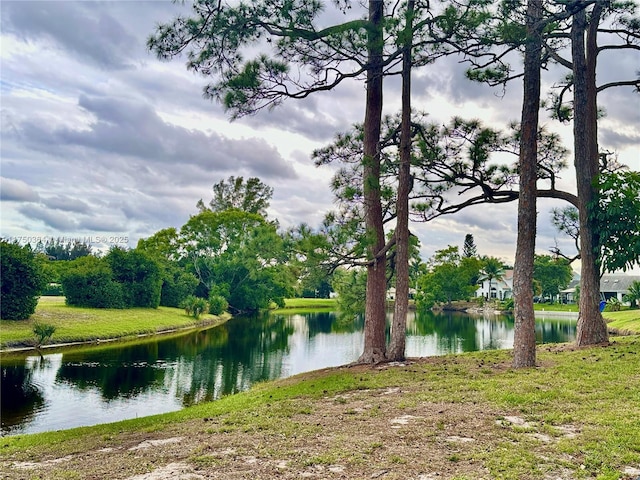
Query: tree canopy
{"points": [[251, 196]]}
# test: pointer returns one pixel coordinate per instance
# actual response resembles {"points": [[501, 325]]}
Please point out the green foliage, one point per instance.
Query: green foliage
{"points": [[43, 332], [617, 215], [61, 250], [21, 281], [553, 274], [613, 304], [311, 262], [88, 282], [251, 196], [450, 277], [195, 306], [633, 294], [241, 254], [217, 304], [162, 245], [508, 305], [351, 286], [138, 274], [469, 249], [177, 285]]}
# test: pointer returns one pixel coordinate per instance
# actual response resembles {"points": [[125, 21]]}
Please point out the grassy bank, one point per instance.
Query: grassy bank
{"points": [[460, 417], [627, 321], [303, 305], [75, 324], [556, 307]]}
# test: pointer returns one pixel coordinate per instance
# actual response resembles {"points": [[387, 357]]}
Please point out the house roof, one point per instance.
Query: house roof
{"points": [[617, 282]]}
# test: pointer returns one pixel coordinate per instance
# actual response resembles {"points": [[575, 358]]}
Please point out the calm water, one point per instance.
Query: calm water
{"points": [[91, 385]]}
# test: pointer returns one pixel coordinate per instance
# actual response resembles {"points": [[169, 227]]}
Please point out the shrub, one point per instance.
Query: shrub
{"points": [[613, 305], [217, 304], [21, 281], [89, 283], [195, 306], [508, 305]]}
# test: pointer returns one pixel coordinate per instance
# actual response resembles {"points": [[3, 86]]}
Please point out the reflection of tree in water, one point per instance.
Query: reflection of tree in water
{"points": [[120, 372], [332, 322], [460, 332], [254, 352], [555, 331], [20, 399], [454, 331]]}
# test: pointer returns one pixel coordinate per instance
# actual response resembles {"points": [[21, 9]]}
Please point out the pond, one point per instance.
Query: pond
{"points": [[105, 383]]}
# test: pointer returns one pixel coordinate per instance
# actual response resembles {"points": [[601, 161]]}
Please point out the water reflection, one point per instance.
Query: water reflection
{"points": [[98, 384]]}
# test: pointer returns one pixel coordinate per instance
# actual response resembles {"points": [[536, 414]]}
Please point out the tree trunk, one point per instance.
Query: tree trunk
{"points": [[591, 327], [375, 311], [399, 325], [524, 346]]}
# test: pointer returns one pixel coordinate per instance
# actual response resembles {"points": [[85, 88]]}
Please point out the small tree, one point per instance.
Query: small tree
{"points": [[350, 285], [469, 249], [43, 332], [492, 269], [21, 281]]}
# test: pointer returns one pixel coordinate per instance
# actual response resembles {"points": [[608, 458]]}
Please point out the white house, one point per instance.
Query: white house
{"points": [[500, 289]]}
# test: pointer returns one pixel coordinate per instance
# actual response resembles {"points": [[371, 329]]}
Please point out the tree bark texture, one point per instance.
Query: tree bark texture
{"points": [[524, 347], [399, 324], [375, 311], [591, 328]]}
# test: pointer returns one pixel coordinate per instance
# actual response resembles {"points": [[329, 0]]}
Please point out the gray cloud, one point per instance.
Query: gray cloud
{"points": [[90, 33], [66, 203], [54, 219], [129, 128], [14, 190]]}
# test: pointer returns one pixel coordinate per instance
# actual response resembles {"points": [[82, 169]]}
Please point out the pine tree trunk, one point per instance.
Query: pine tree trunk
{"points": [[375, 307], [524, 347], [591, 327], [399, 325]]}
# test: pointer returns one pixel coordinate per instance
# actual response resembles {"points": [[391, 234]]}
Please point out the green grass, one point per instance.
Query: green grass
{"points": [[625, 321], [301, 305], [594, 389], [76, 324], [556, 307]]}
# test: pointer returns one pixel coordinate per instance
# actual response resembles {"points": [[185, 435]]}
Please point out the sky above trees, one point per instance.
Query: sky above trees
{"points": [[101, 139]]}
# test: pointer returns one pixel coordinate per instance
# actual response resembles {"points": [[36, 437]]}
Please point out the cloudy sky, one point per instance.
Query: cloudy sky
{"points": [[100, 140]]}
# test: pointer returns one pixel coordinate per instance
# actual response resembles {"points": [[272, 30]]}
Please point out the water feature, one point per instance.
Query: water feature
{"points": [[105, 383]]}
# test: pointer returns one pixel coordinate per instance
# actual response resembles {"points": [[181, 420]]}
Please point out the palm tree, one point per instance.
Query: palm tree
{"points": [[492, 269], [633, 294]]}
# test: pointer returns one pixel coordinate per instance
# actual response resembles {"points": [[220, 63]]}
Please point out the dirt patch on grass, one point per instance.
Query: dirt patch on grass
{"points": [[388, 433]]}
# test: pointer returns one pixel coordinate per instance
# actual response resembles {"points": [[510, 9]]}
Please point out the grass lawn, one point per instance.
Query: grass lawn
{"points": [[556, 307], [462, 417], [303, 305], [76, 324], [625, 321]]}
